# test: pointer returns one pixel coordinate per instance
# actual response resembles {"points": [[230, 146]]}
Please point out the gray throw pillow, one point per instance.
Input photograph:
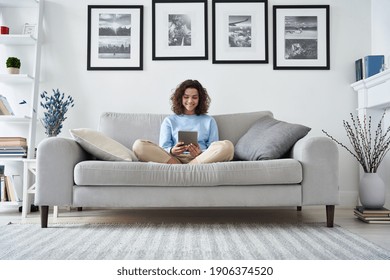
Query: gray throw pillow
{"points": [[268, 138]]}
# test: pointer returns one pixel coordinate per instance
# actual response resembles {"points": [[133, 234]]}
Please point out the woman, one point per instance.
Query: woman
{"points": [[190, 103]]}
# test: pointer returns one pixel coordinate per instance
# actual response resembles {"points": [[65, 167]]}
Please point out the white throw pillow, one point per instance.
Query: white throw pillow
{"points": [[102, 146]]}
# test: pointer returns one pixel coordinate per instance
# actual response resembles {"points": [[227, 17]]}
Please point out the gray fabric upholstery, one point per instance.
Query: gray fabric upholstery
{"points": [[126, 128], [320, 164], [285, 171], [67, 175], [56, 158], [268, 138], [168, 196]]}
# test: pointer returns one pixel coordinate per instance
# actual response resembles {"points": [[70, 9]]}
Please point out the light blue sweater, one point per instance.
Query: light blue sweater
{"points": [[205, 125]]}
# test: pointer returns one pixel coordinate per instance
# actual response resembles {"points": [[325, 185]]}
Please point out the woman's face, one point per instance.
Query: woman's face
{"points": [[190, 100]]}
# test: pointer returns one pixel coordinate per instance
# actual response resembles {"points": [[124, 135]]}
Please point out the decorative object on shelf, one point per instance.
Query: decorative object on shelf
{"points": [[369, 151], [301, 37], [13, 65], [115, 37], [29, 28], [56, 106], [179, 30], [4, 30], [240, 35]]}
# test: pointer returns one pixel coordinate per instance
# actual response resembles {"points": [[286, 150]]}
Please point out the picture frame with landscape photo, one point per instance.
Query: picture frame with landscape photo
{"points": [[240, 31], [179, 30], [301, 37], [115, 37]]}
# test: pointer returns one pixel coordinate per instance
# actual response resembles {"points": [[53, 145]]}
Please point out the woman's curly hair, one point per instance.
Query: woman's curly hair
{"points": [[177, 96]]}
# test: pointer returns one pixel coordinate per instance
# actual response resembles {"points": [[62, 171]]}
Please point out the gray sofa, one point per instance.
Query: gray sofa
{"points": [[69, 176]]}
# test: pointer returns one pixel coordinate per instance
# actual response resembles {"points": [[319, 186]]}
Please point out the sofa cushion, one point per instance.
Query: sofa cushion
{"points": [[273, 172], [102, 146], [269, 138]]}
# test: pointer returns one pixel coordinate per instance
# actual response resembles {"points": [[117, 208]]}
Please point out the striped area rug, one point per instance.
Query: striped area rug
{"points": [[184, 242]]}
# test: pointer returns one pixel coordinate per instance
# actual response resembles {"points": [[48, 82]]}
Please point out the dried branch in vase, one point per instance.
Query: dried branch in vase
{"points": [[56, 106], [367, 148]]}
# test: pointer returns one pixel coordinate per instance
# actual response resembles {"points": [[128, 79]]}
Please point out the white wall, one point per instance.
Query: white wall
{"points": [[380, 42], [319, 99]]}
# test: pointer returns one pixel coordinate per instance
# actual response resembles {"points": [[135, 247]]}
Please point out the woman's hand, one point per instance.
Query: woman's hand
{"points": [[194, 150], [178, 149]]}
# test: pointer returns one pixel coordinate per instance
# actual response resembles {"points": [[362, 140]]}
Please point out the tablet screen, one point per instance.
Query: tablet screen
{"points": [[188, 137]]}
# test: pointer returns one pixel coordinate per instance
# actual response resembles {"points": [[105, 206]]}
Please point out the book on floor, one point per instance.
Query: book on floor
{"points": [[364, 210], [374, 221]]}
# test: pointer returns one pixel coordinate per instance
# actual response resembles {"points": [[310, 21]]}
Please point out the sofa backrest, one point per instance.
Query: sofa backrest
{"points": [[128, 127]]}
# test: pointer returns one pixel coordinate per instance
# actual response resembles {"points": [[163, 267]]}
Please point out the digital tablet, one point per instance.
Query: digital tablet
{"points": [[188, 137]]}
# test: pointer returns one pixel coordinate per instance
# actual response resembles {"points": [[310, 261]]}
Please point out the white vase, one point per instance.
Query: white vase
{"points": [[13, 70], [372, 190]]}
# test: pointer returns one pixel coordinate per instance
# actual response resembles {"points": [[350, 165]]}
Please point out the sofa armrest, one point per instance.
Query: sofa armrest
{"points": [[319, 157], [56, 159]]}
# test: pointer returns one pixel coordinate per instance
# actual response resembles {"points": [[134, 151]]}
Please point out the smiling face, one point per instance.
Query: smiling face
{"points": [[190, 100]]}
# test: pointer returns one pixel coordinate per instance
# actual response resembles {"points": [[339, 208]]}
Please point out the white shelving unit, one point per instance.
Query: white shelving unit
{"points": [[30, 46], [373, 96]]}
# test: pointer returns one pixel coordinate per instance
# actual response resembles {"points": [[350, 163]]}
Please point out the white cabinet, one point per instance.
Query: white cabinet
{"points": [[21, 90]]}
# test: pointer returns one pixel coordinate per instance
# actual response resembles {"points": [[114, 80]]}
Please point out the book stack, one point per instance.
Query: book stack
{"points": [[7, 189], [373, 216], [368, 66], [13, 147]]}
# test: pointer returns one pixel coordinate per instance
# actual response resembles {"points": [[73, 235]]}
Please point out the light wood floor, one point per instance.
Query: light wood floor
{"points": [[376, 233]]}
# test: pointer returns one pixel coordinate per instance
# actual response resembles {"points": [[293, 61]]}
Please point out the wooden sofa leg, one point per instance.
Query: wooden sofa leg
{"points": [[44, 216], [299, 208], [330, 215]]}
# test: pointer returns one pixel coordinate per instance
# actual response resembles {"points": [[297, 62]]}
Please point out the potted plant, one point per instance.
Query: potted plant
{"points": [[13, 65], [55, 106], [369, 149]]}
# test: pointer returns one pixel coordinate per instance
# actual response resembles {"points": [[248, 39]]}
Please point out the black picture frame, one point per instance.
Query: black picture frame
{"points": [[240, 31], [179, 30], [115, 37], [301, 37]]}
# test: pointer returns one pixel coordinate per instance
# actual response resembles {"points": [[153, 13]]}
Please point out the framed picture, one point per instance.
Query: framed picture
{"points": [[179, 30], [301, 37], [29, 28], [240, 31], [115, 38]]}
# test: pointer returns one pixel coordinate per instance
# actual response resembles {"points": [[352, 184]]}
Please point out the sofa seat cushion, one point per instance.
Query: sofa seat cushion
{"points": [[281, 171]]}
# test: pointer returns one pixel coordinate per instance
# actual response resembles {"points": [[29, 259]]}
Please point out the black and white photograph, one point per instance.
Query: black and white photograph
{"points": [[115, 37], [240, 31], [179, 30], [301, 37]]}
